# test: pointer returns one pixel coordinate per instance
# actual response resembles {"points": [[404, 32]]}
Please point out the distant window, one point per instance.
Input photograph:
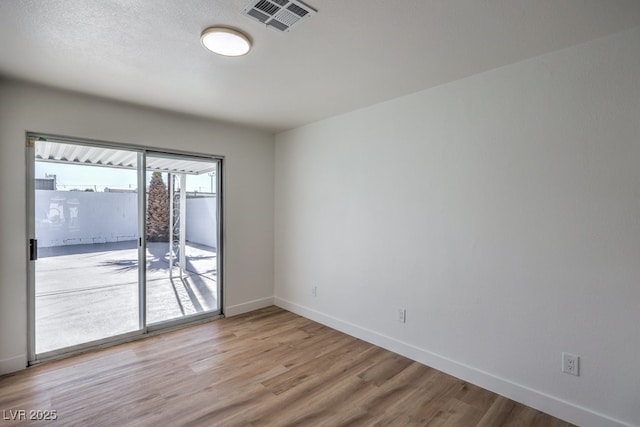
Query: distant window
{"points": [[46, 183]]}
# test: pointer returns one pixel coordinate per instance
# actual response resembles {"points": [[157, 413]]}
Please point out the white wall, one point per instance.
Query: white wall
{"points": [[502, 211], [248, 274], [100, 217], [85, 217], [200, 221]]}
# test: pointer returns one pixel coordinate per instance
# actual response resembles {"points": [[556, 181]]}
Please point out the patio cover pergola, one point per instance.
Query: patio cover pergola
{"points": [[82, 153]]}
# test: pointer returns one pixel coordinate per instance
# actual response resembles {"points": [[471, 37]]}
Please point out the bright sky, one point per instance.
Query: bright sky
{"points": [[80, 177]]}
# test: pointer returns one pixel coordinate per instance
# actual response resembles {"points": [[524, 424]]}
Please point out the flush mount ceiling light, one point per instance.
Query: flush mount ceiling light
{"points": [[225, 41]]}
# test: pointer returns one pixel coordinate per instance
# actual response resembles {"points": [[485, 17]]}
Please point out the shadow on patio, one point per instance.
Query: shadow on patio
{"points": [[90, 292]]}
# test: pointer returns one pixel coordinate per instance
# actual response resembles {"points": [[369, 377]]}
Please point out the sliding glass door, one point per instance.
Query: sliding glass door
{"points": [[122, 241]]}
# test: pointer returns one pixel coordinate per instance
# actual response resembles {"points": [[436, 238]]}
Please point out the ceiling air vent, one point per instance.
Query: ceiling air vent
{"points": [[281, 15]]}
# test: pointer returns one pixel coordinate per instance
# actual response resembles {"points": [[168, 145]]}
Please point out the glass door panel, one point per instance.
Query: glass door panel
{"points": [[86, 225], [182, 237]]}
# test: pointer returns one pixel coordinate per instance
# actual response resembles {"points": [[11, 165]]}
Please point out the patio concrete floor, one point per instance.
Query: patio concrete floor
{"points": [[89, 292]]}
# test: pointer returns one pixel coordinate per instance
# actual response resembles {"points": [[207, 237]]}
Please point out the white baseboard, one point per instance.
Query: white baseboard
{"points": [[234, 310], [13, 364], [541, 401]]}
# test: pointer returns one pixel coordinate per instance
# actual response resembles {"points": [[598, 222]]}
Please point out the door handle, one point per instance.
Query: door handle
{"points": [[33, 249]]}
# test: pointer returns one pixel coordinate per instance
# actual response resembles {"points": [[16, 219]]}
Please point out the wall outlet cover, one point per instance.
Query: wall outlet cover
{"points": [[571, 364]]}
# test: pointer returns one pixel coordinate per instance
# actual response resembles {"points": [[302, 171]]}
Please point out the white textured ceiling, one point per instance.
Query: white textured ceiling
{"points": [[351, 54]]}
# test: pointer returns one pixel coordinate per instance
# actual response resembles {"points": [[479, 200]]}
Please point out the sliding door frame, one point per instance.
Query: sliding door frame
{"points": [[142, 239], [144, 329]]}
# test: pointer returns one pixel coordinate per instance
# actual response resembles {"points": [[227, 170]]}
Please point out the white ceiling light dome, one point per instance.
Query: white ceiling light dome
{"points": [[225, 41]]}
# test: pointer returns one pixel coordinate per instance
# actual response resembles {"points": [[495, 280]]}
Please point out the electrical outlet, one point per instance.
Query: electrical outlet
{"points": [[402, 315], [571, 364]]}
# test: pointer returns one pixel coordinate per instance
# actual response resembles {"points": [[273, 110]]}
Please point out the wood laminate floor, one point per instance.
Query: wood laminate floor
{"points": [[265, 368]]}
